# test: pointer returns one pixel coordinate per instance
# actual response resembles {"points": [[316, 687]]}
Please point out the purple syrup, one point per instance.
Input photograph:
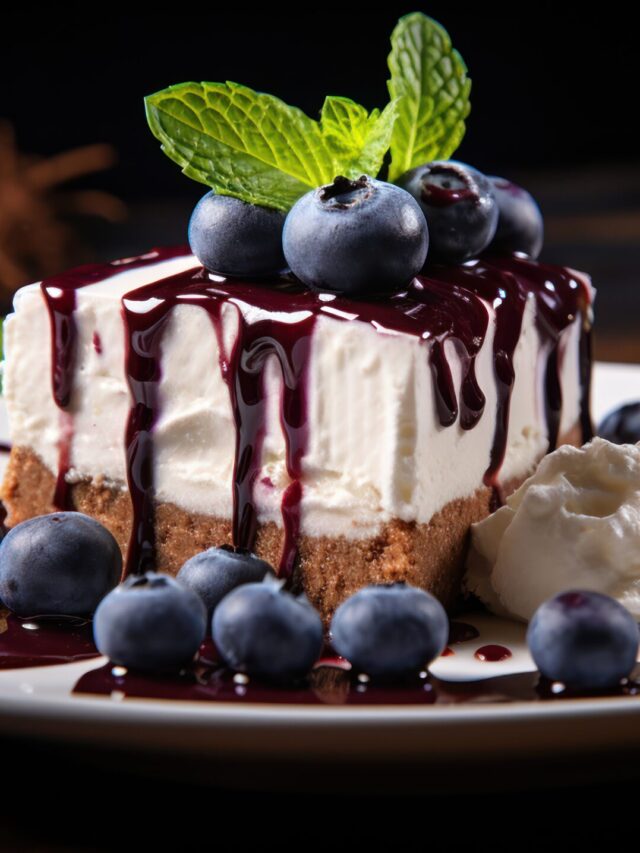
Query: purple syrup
{"points": [[40, 641], [243, 369], [59, 294], [493, 653], [329, 683], [97, 343], [447, 307]]}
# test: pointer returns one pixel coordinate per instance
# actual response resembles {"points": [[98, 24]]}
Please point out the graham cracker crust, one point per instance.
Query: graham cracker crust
{"points": [[328, 570]]}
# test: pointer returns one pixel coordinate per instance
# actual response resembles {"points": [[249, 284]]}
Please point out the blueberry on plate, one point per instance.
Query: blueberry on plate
{"points": [[520, 227], [622, 426], [232, 237], [58, 564], [215, 572], [459, 205], [151, 623], [584, 639], [390, 629], [264, 631], [360, 237]]}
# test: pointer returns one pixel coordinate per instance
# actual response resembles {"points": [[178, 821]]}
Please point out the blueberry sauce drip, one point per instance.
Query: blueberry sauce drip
{"points": [[561, 296], [59, 294], [146, 311], [446, 308], [43, 641]]}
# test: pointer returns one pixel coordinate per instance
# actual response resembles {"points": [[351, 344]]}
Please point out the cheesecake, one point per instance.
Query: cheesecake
{"points": [[347, 441]]}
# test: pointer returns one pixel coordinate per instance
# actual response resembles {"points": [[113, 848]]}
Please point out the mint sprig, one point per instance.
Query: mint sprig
{"points": [[429, 79], [257, 148], [359, 140]]}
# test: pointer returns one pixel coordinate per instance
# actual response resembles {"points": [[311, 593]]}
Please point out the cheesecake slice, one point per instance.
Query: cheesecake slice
{"points": [[347, 442]]}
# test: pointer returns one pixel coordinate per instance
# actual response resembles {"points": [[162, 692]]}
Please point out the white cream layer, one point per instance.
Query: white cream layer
{"points": [[376, 449]]}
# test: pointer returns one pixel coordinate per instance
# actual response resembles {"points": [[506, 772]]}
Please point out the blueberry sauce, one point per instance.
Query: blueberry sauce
{"points": [[40, 641], [243, 371], [448, 307], [59, 294], [330, 682], [492, 653]]}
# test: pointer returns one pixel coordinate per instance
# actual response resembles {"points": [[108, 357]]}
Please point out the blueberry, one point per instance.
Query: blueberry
{"points": [[262, 630], [622, 426], [359, 237], [458, 203], [584, 639], [215, 572], [390, 629], [235, 238], [61, 564], [150, 622], [520, 227]]}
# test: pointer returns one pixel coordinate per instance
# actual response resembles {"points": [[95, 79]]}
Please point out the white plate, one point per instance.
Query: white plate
{"points": [[38, 702]]}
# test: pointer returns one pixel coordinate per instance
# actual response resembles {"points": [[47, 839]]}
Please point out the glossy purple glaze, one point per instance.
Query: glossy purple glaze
{"points": [[39, 641]]}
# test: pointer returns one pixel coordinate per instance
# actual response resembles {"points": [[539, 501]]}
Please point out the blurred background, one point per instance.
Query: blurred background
{"points": [[82, 178]]}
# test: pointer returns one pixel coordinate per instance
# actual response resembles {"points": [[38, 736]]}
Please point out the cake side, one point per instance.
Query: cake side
{"points": [[397, 411]]}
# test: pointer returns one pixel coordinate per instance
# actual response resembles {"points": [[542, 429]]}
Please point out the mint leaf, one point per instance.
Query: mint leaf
{"points": [[359, 140], [430, 80], [257, 148], [241, 143]]}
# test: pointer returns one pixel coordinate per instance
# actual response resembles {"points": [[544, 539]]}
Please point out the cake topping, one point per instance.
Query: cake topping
{"points": [[255, 147], [459, 206], [573, 524], [235, 238], [520, 227], [362, 237], [584, 640]]}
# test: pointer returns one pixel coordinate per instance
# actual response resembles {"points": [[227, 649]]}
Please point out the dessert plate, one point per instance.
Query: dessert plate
{"points": [[40, 701]]}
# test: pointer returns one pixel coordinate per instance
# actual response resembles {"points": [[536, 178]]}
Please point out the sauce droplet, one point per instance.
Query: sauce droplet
{"points": [[492, 653]]}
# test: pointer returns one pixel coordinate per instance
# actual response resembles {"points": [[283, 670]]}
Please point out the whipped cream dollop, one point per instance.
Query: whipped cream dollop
{"points": [[575, 523]]}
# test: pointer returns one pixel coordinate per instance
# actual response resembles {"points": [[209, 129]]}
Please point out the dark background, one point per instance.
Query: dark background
{"points": [[554, 104], [551, 87]]}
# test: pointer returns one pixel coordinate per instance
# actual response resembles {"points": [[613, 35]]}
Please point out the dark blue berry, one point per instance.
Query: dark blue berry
{"points": [[262, 630], [215, 572], [584, 639], [358, 237], [459, 206], [150, 622], [390, 629], [520, 227], [622, 426], [61, 564], [235, 238]]}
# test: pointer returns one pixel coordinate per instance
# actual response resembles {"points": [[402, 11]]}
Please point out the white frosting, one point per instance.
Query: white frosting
{"points": [[574, 524], [376, 449]]}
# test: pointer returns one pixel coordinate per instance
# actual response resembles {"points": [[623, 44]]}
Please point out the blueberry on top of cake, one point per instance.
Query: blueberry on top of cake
{"points": [[357, 356]]}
